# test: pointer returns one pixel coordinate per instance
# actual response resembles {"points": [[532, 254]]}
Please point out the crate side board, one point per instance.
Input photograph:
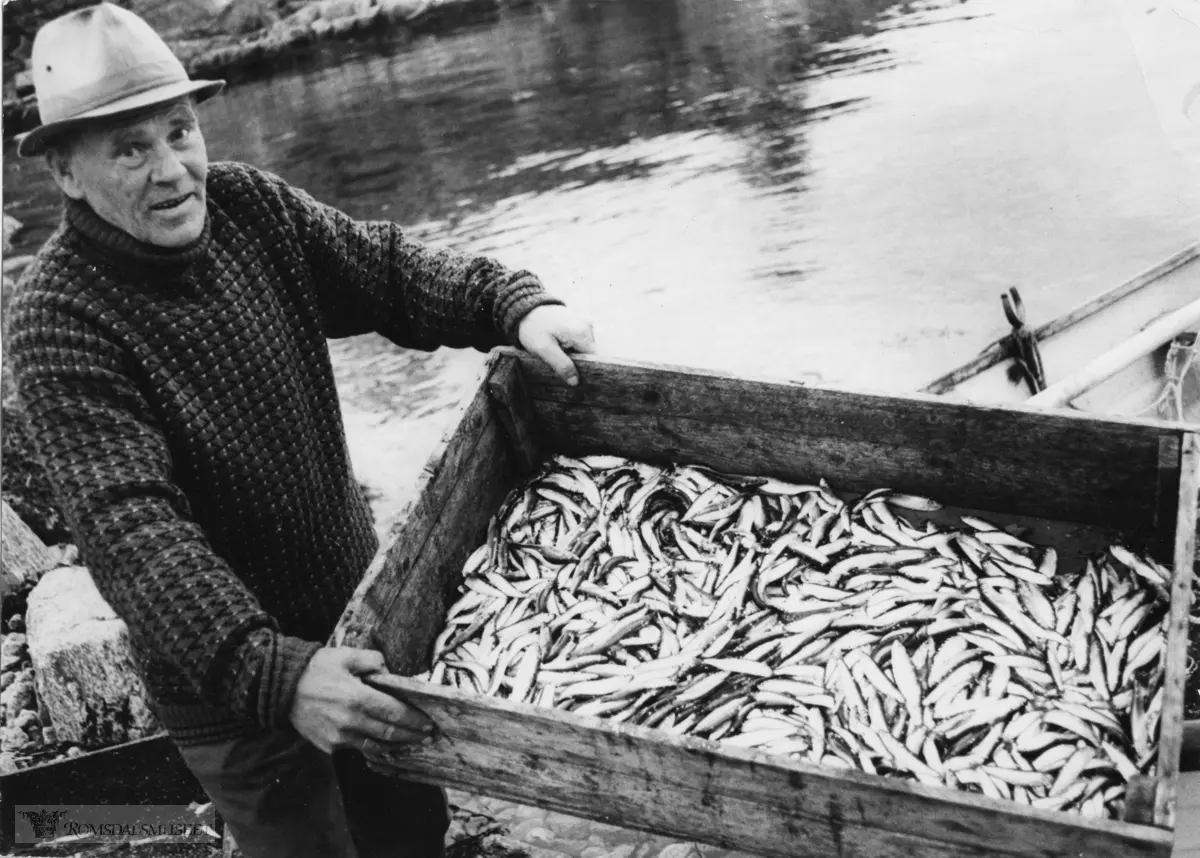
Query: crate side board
{"points": [[1051, 465], [647, 779], [400, 605], [1170, 743]]}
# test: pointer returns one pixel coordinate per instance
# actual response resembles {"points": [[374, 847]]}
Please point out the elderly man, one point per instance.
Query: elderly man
{"points": [[170, 348]]}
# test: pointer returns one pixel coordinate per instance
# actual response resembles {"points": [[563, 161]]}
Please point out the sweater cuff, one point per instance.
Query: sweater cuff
{"points": [[525, 294], [281, 670]]}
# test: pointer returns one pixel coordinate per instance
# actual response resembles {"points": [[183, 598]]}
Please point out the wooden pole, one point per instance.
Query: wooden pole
{"points": [[1110, 363]]}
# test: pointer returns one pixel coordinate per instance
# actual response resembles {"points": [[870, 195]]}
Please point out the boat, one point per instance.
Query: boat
{"points": [[1132, 351], [1129, 352]]}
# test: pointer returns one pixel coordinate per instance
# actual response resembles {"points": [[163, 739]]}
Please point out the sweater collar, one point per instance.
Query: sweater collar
{"points": [[121, 250]]}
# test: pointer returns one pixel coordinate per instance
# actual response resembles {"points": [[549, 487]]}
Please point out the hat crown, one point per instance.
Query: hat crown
{"points": [[95, 56]]}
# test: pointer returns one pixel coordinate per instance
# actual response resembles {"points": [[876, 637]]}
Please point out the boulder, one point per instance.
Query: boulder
{"points": [[15, 739], [23, 556], [86, 674]]}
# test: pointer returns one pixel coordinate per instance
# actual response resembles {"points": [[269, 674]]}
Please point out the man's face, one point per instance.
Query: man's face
{"points": [[144, 175]]}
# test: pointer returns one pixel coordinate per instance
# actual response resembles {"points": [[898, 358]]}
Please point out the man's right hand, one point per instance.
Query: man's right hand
{"points": [[334, 708]]}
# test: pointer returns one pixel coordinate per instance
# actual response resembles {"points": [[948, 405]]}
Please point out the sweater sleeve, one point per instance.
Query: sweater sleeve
{"points": [[111, 470], [371, 277]]}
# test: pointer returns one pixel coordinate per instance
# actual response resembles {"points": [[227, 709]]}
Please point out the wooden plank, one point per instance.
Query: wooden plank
{"points": [[849, 464], [692, 788], [1187, 832], [1166, 507], [506, 387], [998, 351], [1058, 465], [1140, 794], [399, 605], [1170, 741], [1189, 760]]}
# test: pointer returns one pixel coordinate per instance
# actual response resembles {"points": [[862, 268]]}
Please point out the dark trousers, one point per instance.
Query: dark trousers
{"points": [[281, 796]]}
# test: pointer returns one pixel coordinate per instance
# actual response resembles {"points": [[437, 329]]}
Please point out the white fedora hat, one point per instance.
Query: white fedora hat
{"points": [[98, 62]]}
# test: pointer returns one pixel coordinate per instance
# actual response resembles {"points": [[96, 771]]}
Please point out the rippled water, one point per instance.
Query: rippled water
{"points": [[760, 186]]}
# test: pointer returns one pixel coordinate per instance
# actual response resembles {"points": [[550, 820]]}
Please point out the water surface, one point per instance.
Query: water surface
{"points": [[764, 187]]}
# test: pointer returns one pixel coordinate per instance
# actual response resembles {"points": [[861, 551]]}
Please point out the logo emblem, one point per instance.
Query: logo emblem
{"points": [[44, 822]]}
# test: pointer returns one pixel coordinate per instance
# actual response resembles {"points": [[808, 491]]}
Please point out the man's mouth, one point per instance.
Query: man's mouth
{"points": [[174, 203]]}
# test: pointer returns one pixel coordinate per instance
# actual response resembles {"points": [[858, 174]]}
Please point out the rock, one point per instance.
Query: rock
{"points": [[570, 827], [18, 697], [622, 850], [321, 28], [343, 26], [23, 556], [13, 643], [16, 623], [402, 10], [86, 673], [593, 852], [540, 837], [74, 751], [49, 736], [7, 764], [522, 831], [27, 720], [6, 679], [11, 662], [14, 739], [304, 16], [331, 10], [64, 555], [680, 850]]}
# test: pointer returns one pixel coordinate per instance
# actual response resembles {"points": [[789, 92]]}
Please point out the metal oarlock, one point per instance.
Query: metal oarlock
{"points": [[1022, 343]]}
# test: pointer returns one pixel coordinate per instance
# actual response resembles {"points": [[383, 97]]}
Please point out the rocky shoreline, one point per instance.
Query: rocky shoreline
{"points": [[296, 39]]}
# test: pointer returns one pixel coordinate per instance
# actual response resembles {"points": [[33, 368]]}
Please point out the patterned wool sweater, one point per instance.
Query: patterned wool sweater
{"points": [[184, 405]]}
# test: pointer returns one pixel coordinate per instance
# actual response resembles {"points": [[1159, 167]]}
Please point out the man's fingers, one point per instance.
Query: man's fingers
{"points": [[387, 710], [371, 731], [554, 357], [363, 661]]}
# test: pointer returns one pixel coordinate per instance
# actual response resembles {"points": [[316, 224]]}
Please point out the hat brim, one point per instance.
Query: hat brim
{"points": [[33, 143]]}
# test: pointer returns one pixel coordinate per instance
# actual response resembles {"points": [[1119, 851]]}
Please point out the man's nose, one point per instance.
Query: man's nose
{"points": [[168, 166]]}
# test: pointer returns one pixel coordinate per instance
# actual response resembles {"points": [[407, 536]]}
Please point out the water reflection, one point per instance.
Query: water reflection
{"points": [[830, 190]]}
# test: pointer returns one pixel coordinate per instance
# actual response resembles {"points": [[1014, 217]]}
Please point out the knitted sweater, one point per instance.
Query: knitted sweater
{"points": [[183, 402]]}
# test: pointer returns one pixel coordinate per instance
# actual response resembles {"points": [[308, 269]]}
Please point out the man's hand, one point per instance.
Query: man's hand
{"points": [[335, 709], [548, 330]]}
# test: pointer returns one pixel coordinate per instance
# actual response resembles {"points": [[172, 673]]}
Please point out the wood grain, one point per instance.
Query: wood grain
{"points": [[1055, 465], [692, 788], [506, 387], [1170, 741], [400, 604]]}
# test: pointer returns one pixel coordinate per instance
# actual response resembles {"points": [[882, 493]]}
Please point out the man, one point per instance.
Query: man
{"points": [[169, 343]]}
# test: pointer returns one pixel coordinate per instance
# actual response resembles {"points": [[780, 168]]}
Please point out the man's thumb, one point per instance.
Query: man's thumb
{"points": [[363, 661]]}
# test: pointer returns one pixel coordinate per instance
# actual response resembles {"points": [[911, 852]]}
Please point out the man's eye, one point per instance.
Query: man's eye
{"points": [[182, 134], [129, 150]]}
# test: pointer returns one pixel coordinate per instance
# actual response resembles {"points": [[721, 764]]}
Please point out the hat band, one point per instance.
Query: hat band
{"points": [[112, 88]]}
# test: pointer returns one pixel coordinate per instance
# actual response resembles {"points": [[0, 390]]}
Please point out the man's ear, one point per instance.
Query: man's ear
{"points": [[58, 160]]}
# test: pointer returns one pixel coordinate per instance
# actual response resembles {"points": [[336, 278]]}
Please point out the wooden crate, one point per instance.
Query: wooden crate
{"points": [[1069, 475]]}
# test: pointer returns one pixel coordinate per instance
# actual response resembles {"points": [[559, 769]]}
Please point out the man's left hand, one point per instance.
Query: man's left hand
{"points": [[549, 331]]}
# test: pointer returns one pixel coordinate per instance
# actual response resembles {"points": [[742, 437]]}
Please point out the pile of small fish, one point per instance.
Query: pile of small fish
{"points": [[780, 617]]}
